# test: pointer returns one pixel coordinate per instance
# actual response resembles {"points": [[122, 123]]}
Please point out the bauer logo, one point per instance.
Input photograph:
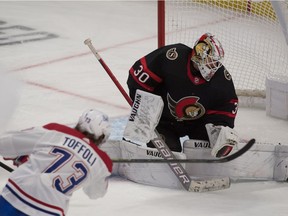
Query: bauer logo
{"points": [[135, 107]]}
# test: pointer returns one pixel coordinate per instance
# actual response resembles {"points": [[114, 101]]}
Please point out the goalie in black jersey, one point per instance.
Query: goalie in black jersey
{"points": [[198, 93]]}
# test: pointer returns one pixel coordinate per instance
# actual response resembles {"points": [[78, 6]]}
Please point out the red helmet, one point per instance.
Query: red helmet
{"points": [[208, 54]]}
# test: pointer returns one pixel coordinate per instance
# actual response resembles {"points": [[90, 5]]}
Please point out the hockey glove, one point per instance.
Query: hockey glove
{"points": [[18, 160], [223, 140]]}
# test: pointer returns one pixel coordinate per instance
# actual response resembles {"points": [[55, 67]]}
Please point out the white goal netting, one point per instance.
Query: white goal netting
{"points": [[250, 32]]}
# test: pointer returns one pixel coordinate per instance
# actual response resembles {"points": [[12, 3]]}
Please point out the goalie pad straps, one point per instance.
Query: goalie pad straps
{"points": [[144, 117]]}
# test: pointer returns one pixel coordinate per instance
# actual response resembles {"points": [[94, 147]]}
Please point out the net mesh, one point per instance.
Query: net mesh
{"points": [[253, 40]]}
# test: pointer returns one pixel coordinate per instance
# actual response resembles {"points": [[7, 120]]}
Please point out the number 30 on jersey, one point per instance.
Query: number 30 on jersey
{"points": [[141, 75]]}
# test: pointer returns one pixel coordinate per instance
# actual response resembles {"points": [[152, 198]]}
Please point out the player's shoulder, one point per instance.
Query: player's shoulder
{"points": [[223, 74], [64, 129], [174, 51], [222, 83], [171, 49], [178, 46]]}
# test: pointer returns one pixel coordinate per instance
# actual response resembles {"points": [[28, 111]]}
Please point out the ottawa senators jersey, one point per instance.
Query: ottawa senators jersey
{"points": [[188, 98]]}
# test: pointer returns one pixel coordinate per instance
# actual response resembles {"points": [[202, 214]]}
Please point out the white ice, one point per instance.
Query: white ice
{"points": [[60, 78]]}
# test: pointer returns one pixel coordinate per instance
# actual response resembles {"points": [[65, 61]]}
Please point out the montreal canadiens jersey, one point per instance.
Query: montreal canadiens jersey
{"points": [[61, 160], [188, 98]]}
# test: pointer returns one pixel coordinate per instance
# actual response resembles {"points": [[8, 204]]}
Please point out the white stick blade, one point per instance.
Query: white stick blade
{"points": [[210, 185]]}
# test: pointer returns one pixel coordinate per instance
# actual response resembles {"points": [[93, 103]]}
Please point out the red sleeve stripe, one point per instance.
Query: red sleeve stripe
{"points": [[233, 101], [228, 114], [33, 202], [151, 74], [143, 85]]}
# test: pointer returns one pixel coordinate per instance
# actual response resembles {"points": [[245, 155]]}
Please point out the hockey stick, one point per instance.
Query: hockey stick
{"points": [[4, 166], [88, 42], [161, 146], [240, 152]]}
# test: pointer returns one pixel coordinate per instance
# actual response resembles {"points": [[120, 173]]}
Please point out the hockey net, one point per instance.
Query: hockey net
{"points": [[250, 32]]}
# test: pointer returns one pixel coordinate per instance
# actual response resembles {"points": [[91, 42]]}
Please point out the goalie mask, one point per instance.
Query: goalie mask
{"points": [[94, 125], [208, 55]]}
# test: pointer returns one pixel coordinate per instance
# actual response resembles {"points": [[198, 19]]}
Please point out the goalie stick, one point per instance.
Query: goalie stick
{"points": [[4, 166], [161, 146]]}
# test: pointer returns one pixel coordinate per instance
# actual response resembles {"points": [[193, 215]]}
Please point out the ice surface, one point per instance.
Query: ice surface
{"points": [[60, 78]]}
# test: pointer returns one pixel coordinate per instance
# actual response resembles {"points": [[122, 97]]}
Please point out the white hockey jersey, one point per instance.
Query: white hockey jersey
{"points": [[61, 160]]}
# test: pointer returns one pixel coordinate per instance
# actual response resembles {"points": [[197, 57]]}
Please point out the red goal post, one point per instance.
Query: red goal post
{"points": [[252, 33]]}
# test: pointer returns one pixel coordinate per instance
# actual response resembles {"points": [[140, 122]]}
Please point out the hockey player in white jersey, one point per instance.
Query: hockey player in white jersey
{"points": [[61, 160]]}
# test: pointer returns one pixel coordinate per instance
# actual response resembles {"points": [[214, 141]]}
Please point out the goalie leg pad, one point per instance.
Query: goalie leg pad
{"points": [[262, 162], [281, 163], [158, 175]]}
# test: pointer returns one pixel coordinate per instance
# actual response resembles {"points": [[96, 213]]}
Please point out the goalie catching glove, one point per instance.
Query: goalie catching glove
{"points": [[223, 140]]}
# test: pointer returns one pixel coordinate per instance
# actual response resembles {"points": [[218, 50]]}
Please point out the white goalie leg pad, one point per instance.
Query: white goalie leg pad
{"points": [[112, 148], [158, 175], [144, 117], [262, 162], [281, 163]]}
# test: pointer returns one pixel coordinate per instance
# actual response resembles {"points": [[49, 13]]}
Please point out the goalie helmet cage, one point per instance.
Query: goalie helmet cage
{"points": [[252, 33]]}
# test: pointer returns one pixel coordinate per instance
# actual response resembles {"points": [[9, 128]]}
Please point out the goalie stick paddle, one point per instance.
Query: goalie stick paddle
{"points": [[237, 154]]}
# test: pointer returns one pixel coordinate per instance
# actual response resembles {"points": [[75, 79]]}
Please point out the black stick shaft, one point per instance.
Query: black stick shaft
{"points": [[4, 166]]}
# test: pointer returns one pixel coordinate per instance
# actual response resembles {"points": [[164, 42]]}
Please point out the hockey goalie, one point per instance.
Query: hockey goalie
{"points": [[261, 162]]}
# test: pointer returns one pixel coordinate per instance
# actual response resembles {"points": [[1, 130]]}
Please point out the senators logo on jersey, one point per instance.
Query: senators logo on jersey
{"points": [[187, 108], [172, 54]]}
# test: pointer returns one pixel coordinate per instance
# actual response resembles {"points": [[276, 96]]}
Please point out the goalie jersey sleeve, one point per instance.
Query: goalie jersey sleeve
{"points": [[61, 160], [189, 100]]}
